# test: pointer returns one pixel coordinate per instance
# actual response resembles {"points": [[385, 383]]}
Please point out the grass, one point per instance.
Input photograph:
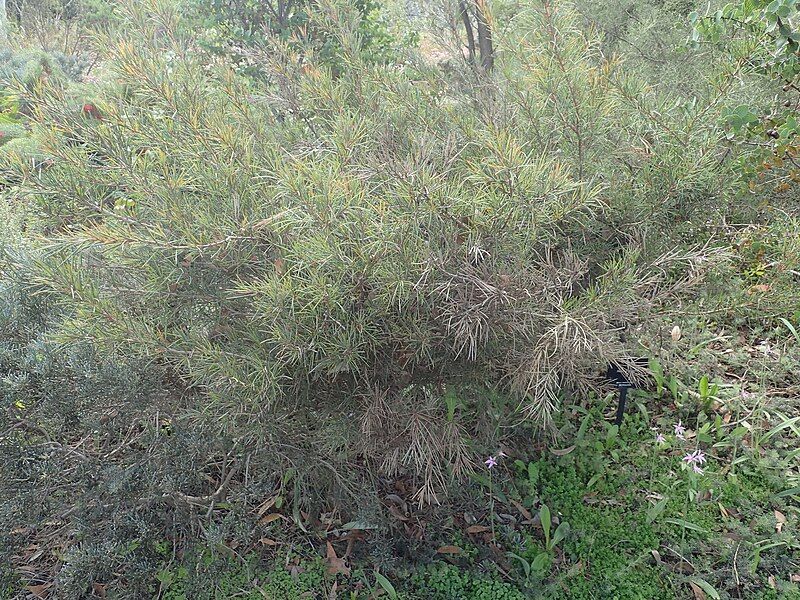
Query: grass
{"points": [[641, 525], [604, 512]]}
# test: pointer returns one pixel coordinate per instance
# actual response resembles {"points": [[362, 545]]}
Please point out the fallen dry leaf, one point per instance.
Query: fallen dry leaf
{"points": [[295, 570], [40, 591], [449, 550], [562, 452], [270, 518], [268, 542], [335, 564], [682, 567], [477, 529], [396, 513], [761, 287], [395, 499], [780, 519], [699, 594], [522, 510], [266, 505]]}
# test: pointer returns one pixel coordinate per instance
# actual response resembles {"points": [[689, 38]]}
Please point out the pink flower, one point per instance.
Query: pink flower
{"points": [[660, 439], [695, 459], [679, 430], [699, 457], [491, 462]]}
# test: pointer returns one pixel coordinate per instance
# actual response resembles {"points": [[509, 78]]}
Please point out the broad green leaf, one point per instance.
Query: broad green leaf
{"points": [[611, 436], [791, 328], [533, 474], [386, 585], [360, 525], [526, 566], [655, 511], [562, 531], [595, 478], [706, 587], [787, 424], [451, 400], [704, 386], [795, 491], [544, 516], [540, 562], [584, 426]]}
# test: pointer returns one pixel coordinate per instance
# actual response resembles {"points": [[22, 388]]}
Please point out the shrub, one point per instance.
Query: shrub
{"points": [[229, 28], [323, 255], [326, 280], [58, 25]]}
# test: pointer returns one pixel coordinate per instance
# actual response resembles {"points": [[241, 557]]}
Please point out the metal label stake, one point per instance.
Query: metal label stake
{"points": [[617, 377]]}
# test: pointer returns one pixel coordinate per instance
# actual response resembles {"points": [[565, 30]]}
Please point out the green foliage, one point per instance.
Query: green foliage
{"points": [[760, 40], [614, 540], [234, 28], [629, 515], [205, 578], [29, 67], [50, 397], [222, 577], [650, 37], [247, 301], [357, 240], [446, 582], [20, 73], [45, 23]]}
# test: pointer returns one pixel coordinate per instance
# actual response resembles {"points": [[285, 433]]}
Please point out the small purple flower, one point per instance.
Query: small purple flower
{"points": [[491, 462], [679, 430], [695, 459], [660, 439]]}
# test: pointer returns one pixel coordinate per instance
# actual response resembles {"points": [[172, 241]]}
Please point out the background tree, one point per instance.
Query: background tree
{"points": [[760, 40], [3, 23], [476, 17]]}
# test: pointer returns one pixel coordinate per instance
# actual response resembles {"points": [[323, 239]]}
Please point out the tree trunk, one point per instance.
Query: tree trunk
{"points": [[484, 34], [470, 33], [3, 24]]}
